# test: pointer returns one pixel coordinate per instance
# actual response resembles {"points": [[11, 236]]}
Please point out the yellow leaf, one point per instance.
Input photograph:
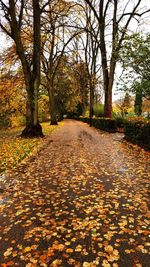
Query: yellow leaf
{"points": [[109, 249], [27, 249], [106, 263], [8, 252], [87, 264], [19, 212], [78, 248]]}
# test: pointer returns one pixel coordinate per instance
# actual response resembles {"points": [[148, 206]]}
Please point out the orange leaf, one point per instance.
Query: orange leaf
{"points": [[69, 250]]}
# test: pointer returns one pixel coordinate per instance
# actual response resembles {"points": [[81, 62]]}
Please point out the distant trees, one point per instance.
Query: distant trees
{"points": [[70, 87], [54, 43], [51, 39]]}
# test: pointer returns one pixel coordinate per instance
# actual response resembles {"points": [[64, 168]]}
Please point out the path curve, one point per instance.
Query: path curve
{"points": [[83, 201]]}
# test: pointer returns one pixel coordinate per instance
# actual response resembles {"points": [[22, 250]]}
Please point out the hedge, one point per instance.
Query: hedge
{"points": [[120, 122], [104, 124], [138, 132]]}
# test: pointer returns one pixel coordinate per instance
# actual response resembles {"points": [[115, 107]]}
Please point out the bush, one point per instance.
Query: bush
{"points": [[138, 132], [83, 119], [104, 124], [120, 121]]}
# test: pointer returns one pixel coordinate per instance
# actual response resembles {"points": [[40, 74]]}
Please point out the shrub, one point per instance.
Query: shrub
{"points": [[104, 124], [120, 121], [83, 119], [138, 132]]}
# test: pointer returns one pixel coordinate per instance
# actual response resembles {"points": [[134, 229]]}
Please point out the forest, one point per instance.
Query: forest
{"points": [[66, 58]]}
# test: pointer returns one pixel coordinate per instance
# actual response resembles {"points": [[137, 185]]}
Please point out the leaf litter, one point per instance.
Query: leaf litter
{"points": [[72, 206]]}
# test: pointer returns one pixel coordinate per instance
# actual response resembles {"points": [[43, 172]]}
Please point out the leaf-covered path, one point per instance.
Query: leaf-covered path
{"points": [[82, 201]]}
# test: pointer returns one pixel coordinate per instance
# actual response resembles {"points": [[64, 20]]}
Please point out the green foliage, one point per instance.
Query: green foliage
{"points": [[138, 132], [98, 110], [135, 59]]}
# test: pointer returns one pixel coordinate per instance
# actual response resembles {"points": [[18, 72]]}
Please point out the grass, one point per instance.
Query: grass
{"points": [[13, 149]]}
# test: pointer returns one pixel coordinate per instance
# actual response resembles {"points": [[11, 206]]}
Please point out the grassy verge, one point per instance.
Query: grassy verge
{"points": [[13, 149]]}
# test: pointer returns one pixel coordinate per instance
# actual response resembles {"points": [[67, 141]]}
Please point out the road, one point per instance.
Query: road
{"points": [[81, 201]]}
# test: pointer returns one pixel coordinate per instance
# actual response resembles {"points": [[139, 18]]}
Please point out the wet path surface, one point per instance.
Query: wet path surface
{"points": [[83, 201]]}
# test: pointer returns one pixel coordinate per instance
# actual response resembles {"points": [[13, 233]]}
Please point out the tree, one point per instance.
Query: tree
{"points": [[126, 103], [135, 59], [53, 47], [67, 94], [81, 79], [16, 24], [91, 55], [114, 18], [86, 49], [138, 100]]}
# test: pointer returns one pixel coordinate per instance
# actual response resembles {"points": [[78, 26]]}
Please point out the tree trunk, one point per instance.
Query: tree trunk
{"points": [[108, 102], [91, 103], [52, 104], [32, 79], [84, 108], [33, 128], [107, 92], [109, 80], [106, 77]]}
